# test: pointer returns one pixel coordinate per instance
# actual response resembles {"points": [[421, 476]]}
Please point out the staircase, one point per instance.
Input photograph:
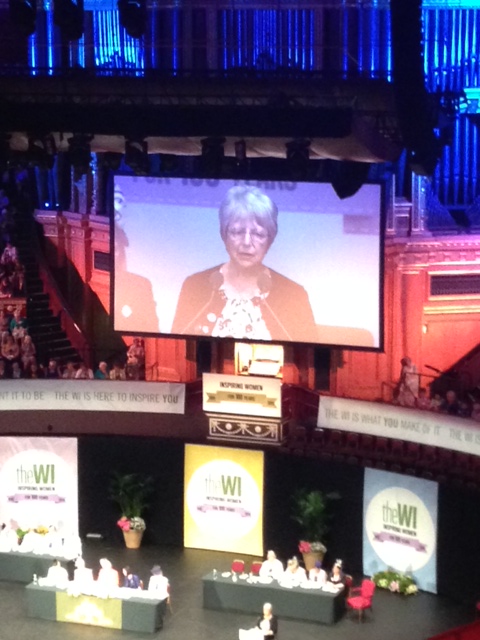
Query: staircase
{"points": [[49, 338]]}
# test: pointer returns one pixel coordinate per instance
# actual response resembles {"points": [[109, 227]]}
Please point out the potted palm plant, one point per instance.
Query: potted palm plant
{"points": [[310, 511], [131, 492]]}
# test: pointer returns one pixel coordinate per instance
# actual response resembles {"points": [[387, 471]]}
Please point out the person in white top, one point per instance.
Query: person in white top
{"points": [[272, 567], [158, 583], [57, 576], [294, 575], [317, 574]]}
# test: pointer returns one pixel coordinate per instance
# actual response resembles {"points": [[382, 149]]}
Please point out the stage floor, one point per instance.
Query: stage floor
{"points": [[394, 617]]}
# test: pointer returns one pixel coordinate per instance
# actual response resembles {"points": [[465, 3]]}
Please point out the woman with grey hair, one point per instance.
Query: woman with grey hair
{"points": [[243, 298]]}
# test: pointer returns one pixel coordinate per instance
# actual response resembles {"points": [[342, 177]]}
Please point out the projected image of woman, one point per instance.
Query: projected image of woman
{"points": [[243, 298]]}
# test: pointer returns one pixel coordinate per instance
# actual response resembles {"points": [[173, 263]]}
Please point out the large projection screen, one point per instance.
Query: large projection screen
{"points": [[319, 278]]}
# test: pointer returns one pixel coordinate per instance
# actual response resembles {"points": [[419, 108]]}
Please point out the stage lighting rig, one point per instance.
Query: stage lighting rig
{"points": [[41, 151], [133, 16], [23, 15], [212, 156], [136, 156], [298, 155], [80, 154]]}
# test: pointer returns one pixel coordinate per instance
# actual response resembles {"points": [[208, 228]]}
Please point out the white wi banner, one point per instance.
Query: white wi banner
{"points": [[92, 395], [423, 427], [242, 395], [38, 483]]}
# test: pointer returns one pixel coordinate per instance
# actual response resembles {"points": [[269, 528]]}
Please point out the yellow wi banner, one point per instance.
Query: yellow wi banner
{"points": [[223, 501]]}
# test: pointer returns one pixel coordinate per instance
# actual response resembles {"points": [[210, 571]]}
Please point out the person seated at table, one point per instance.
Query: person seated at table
{"points": [[158, 583], [82, 576], [272, 567], [130, 579], [30, 542], [294, 574], [317, 574], [107, 576], [337, 577], [57, 576], [266, 627]]}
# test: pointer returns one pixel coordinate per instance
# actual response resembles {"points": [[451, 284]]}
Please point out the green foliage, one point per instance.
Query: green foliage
{"points": [[131, 492], [310, 511], [395, 582]]}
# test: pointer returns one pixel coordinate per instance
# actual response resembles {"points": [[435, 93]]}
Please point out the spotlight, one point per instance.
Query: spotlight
{"points": [[136, 156], [346, 177], [212, 156], [133, 16], [298, 157], [68, 15], [110, 160], [80, 154], [240, 152], [23, 14], [41, 151]]}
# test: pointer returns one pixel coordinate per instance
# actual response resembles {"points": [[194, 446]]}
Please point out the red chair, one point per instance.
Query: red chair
{"points": [[255, 568], [238, 566], [361, 598]]}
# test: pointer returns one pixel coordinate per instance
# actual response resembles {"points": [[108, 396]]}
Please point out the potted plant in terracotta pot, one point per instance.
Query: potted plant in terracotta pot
{"points": [[310, 511], [131, 492]]}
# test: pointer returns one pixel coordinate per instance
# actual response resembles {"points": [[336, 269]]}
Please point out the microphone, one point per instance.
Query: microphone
{"points": [[264, 283], [215, 281]]}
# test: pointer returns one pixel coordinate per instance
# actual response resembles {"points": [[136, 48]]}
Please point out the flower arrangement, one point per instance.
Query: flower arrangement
{"points": [[309, 547], [395, 582], [131, 524]]}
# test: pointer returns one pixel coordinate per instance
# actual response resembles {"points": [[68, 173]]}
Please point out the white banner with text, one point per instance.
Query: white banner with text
{"points": [[242, 395], [413, 425], [92, 395]]}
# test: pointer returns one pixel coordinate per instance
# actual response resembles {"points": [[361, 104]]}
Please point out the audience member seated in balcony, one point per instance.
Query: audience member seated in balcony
{"points": [[436, 402], [6, 289], [9, 255], [4, 323], [118, 372], [18, 278], [18, 325], [476, 411], [17, 372], [135, 368], [70, 371], [33, 371], [464, 409], [10, 349], [52, 370], [3, 370], [102, 372], [28, 351], [450, 405], [423, 401], [406, 391], [83, 372]]}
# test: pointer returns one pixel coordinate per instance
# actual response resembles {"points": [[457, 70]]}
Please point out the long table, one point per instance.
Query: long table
{"points": [[20, 567], [297, 603], [135, 614]]}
